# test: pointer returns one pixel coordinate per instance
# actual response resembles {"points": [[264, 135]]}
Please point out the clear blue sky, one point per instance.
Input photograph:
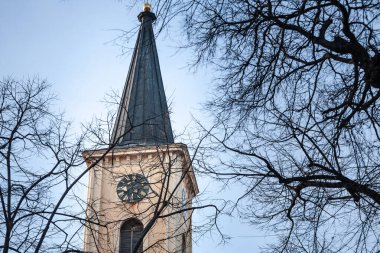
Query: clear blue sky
{"points": [[70, 44]]}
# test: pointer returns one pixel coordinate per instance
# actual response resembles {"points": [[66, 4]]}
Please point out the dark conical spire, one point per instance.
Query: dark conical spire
{"points": [[143, 116]]}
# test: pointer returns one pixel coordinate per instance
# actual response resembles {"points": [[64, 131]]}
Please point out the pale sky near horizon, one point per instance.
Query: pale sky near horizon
{"points": [[70, 44]]}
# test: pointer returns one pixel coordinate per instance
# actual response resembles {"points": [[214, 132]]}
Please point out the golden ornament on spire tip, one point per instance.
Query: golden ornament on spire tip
{"points": [[147, 7]]}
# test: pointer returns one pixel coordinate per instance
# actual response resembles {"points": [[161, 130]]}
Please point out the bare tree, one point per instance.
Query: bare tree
{"points": [[296, 114], [36, 169], [41, 172]]}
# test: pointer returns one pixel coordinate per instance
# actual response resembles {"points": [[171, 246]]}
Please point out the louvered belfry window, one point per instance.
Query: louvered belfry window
{"points": [[130, 233]]}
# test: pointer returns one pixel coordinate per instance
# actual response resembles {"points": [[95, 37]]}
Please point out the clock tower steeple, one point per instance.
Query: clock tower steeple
{"points": [[140, 191]]}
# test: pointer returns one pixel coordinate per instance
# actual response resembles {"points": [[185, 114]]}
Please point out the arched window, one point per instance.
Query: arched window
{"points": [[130, 233]]}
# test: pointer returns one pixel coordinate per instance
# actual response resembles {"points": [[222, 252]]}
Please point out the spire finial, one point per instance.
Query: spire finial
{"points": [[147, 14], [147, 7]]}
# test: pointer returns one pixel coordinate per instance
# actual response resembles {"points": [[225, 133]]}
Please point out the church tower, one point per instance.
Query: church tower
{"points": [[140, 191]]}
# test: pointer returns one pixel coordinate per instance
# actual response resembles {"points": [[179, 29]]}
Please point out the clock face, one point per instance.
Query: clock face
{"points": [[132, 188]]}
